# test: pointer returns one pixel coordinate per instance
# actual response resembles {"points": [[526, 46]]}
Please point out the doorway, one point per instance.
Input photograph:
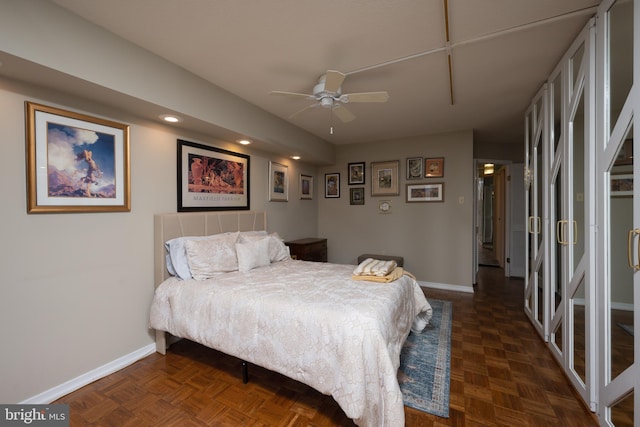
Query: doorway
{"points": [[490, 214], [500, 235]]}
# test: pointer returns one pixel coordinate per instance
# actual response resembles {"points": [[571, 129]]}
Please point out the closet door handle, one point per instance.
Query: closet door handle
{"points": [[634, 267], [534, 220], [560, 231]]}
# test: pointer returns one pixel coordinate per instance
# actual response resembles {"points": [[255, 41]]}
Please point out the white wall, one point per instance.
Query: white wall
{"points": [[435, 239], [76, 287]]}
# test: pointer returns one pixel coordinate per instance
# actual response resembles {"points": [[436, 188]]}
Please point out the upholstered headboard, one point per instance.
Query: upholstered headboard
{"points": [[171, 225]]}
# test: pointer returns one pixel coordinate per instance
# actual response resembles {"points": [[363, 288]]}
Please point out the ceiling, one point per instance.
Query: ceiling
{"points": [[501, 52]]}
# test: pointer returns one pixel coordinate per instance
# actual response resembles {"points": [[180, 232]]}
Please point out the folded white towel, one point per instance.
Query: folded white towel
{"points": [[374, 267]]}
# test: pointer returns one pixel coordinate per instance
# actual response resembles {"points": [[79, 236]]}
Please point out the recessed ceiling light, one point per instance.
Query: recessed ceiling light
{"points": [[244, 141], [295, 157], [170, 118]]}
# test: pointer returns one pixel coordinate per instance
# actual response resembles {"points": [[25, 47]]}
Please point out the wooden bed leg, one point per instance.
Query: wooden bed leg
{"points": [[245, 372]]}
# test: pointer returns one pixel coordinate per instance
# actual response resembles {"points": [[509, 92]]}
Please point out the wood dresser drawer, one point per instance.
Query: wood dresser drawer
{"points": [[308, 249]]}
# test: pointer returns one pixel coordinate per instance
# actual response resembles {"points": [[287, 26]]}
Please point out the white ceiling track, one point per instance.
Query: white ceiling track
{"points": [[488, 36]]}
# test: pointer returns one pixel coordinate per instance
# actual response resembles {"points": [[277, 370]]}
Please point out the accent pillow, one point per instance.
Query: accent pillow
{"points": [[255, 233], [208, 257], [278, 251], [253, 254]]}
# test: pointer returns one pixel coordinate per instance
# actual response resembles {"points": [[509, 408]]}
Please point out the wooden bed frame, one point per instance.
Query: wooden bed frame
{"points": [[171, 225]]}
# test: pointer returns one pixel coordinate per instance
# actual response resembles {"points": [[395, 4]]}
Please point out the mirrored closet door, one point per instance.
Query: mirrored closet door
{"points": [[571, 211], [619, 214], [582, 291], [536, 140]]}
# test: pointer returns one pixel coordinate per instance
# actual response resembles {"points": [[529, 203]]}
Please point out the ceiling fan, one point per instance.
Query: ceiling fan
{"points": [[327, 93]]}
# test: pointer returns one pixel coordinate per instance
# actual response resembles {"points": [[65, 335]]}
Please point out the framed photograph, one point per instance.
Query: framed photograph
{"points": [[75, 162], [356, 196], [622, 185], [415, 168], [211, 179], [385, 178], [356, 173], [278, 182], [434, 168], [331, 185], [306, 187], [432, 192]]}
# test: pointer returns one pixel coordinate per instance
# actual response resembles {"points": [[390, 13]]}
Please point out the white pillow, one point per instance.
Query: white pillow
{"points": [[208, 257], [177, 263], [254, 233], [253, 254], [278, 251]]}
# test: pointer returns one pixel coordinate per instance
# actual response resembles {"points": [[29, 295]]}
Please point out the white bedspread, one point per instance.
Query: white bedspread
{"points": [[308, 321]]}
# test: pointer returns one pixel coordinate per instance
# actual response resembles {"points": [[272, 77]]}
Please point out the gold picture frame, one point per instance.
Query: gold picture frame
{"points": [[76, 163]]}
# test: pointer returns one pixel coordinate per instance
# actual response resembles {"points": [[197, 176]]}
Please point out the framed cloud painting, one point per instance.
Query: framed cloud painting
{"points": [[75, 162]]}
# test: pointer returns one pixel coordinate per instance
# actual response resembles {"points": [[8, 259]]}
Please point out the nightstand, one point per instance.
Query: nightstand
{"points": [[309, 249]]}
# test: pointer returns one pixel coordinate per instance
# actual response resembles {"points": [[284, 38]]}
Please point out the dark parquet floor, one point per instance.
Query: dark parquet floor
{"points": [[501, 375]]}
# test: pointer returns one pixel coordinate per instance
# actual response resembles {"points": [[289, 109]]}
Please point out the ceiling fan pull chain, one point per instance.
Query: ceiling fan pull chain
{"points": [[331, 121]]}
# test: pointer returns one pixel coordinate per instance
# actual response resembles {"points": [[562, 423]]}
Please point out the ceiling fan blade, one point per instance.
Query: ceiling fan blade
{"points": [[342, 113], [333, 80], [293, 94], [308, 107], [364, 97]]}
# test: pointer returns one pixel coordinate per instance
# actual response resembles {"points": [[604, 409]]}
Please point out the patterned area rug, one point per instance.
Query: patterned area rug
{"points": [[425, 363]]}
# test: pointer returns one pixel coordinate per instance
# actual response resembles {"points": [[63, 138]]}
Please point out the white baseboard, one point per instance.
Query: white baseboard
{"points": [[447, 287], [74, 384]]}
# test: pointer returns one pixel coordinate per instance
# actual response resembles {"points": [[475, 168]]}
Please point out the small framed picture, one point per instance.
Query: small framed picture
{"points": [[434, 168], [356, 173], [332, 185], [278, 182], [432, 192], [415, 168], [356, 196], [622, 185], [385, 178], [306, 187]]}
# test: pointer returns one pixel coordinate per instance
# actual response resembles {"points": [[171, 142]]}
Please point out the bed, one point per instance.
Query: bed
{"points": [[309, 321]]}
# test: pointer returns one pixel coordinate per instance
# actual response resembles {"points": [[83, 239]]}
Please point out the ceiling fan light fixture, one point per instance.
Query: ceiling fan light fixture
{"points": [[327, 93], [326, 102]]}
